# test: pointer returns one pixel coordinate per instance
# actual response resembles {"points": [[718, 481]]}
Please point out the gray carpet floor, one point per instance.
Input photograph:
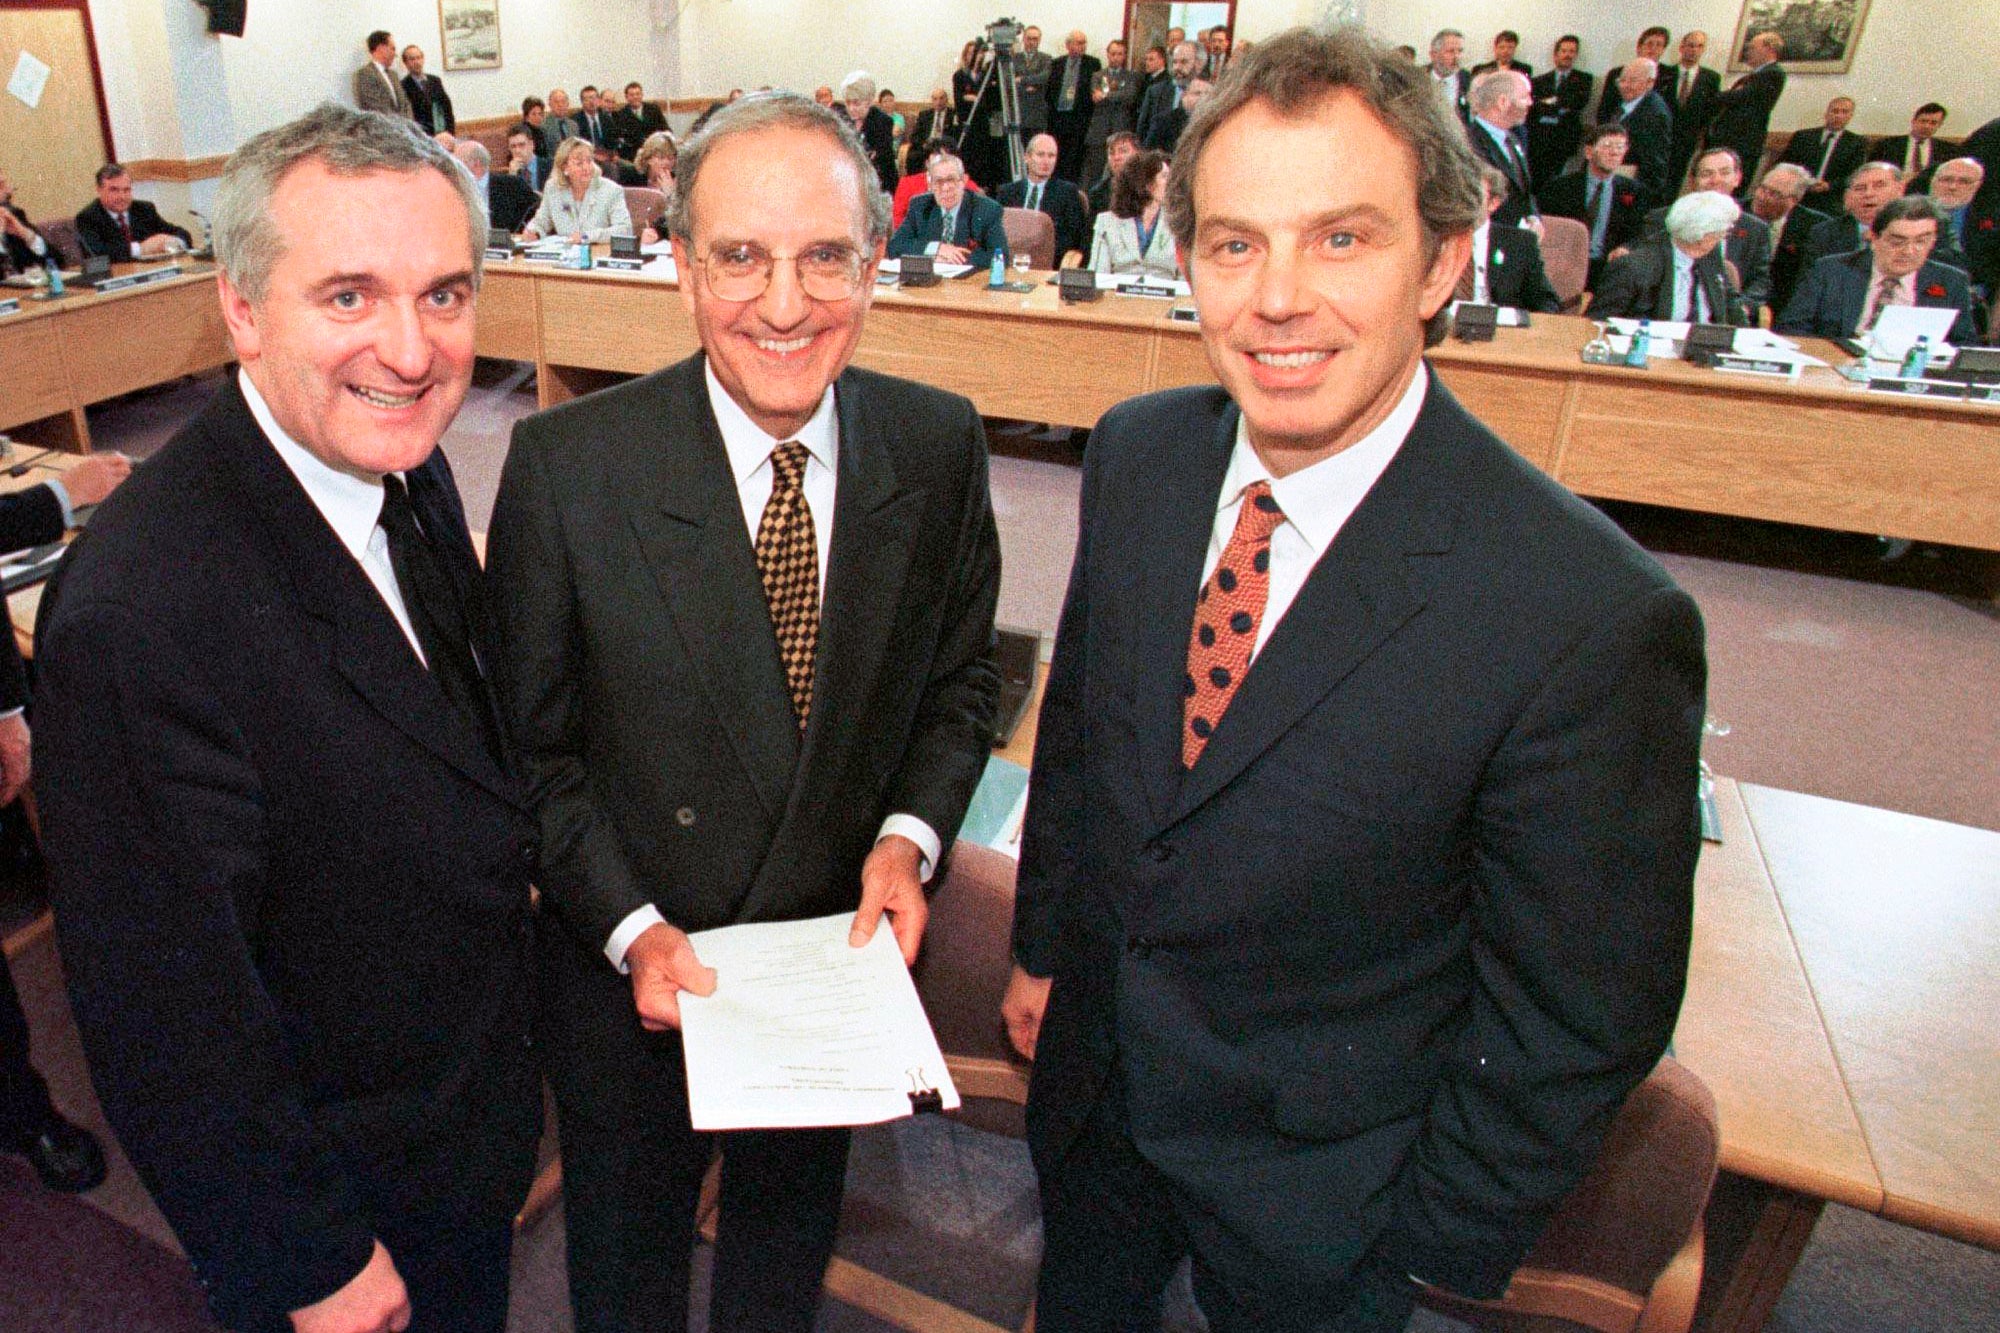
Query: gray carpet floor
{"points": [[1837, 675]]}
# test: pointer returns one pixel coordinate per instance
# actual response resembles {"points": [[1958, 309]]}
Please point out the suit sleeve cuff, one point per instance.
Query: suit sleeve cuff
{"points": [[922, 834], [631, 928], [61, 493]]}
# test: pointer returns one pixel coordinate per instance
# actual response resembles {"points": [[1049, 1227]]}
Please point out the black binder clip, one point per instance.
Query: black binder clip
{"points": [[924, 1100]]}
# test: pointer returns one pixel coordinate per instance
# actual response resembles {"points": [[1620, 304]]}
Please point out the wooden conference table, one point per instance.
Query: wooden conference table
{"points": [[1818, 452]]}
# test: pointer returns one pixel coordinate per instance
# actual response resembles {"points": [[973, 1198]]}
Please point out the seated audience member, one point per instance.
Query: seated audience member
{"points": [[1778, 201], [1746, 250], [1045, 192], [1119, 149], [1505, 267], [1651, 45], [885, 101], [580, 204], [123, 227], [25, 247], [535, 115], [1873, 185], [1970, 228], [1165, 132], [1131, 236], [1678, 276], [954, 226], [1505, 43], [509, 202], [1611, 205], [939, 120], [1830, 153], [658, 158], [634, 121], [523, 159], [615, 168], [824, 95], [1843, 295], [1911, 153], [558, 125], [593, 119], [877, 132], [1650, 122], [1499, 102]]}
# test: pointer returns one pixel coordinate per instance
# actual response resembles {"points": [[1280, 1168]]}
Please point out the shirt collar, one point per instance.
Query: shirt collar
{"points": [[1499, 135], [1629, 105], [1908, 282], [747, 443], [351, 505], [1318, 500], [1683, 261]]}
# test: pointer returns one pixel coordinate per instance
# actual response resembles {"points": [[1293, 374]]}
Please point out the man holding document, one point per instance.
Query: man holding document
{"points": [[747, 603]]}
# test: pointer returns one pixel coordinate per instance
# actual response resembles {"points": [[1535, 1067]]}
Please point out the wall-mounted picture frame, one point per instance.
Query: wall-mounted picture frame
{"points": [[1820, 35], [471, 33]]}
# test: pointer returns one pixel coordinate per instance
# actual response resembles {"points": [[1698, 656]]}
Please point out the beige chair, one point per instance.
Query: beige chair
{"points": [[62, 235], [646, 206], [1031, 232], [1566, 259]]}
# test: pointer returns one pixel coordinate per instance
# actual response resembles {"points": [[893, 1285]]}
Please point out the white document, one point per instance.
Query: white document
{"points": [[805, 1030], [1117, 282], [942, 270], [31, 76], [1899, 326], [661, 266]]}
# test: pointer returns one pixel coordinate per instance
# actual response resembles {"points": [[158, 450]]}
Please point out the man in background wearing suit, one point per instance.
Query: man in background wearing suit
{"points": [[1165, 131], [1778, 203], [1505, 267], [1500, 102], [430, 104], [558, 124], [1871, 188], [1555, 128], [634, 121], [509, 200], [1031, 71], [713, 740], [937, 121], [1450, 83], [1843, 295], [1677, 275], [950, 223], [1966, 228], [1651, 45], [1742, 117], [376, 87], [290, 866], [123, 227], [1649, 125], [1611, 205], [1164, 97], [1690, 89], [1505, 43], [593, 122], [1830, 153], [1745, 248], [1071, 76], [1329, 983], [1043, 191], [25, 247], [1912, 152]]}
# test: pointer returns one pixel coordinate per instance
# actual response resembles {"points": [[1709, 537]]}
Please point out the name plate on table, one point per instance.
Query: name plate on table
{"points": [[1755, 365], [500, 252], [1147, 289], [1915, 388], [622, 264], [10, 306], [1978, 393], [545, 256], [131, 280]]}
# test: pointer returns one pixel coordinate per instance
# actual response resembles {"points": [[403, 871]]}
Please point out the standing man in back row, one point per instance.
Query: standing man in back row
{"points": [[376, 87], [430, 104], [1357, 878], [1742, 116]]}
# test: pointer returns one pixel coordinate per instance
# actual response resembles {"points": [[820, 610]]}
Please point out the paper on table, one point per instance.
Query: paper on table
{"points": [[805, 1030], [1899, 326], [661, 266], [942, 270]]}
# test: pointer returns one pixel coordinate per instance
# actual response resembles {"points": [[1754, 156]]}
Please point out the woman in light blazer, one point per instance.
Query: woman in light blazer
{"points": [[1132, 235], [579, 203]]}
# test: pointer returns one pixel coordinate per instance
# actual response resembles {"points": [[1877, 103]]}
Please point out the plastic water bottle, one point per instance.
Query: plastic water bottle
{"points": [[1917, 362], [55, 276], [999, 274], [1642, 340]]}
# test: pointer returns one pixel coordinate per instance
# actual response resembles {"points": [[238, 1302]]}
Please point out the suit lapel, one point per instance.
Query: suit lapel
{"points": [[1364, 588], [684, 510]]}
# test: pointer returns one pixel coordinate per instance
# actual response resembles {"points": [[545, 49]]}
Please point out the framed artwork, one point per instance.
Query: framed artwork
{"points": [[471, 33], [1820, 35]]}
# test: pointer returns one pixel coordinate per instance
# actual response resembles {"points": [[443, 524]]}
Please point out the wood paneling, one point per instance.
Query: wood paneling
{"points": [[506, 315], [149, 335], [36, 383]]}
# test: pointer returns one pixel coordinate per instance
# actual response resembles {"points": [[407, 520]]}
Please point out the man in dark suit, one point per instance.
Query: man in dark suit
{"points": [[1650, 45], [712, 740], [1165, 131], [122, 227], [1164, 97], [1777, 202], [1690, 89], [949, 222], [1031, 73], [1450, 82], [25, 247], [1648, 123], [523, 162], [1287, 954], [1872, 187], [938, 121], [1500, 100], [1973, 231], [1071, 76], [1679, 274], [508, 199], [1843, 295], [1613, 206], [634, 121], [430, 104], [593, 120], [1555, 127], [1040, 189], [1742, 117], [1830, 153], [1745, 248], [1913, 153], [1505, 267], [1505, 43], [290, 867]]}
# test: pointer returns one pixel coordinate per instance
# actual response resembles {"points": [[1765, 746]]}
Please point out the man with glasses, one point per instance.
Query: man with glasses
{"points": [[948, 224], [747, 604], [1844, 295]]}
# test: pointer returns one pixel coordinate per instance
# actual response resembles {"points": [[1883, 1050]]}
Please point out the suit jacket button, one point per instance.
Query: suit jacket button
{"points": [[1162, 852], [685, 816]]}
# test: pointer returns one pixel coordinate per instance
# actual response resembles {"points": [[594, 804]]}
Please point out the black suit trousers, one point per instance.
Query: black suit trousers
{"points": [[24, 1098], [634, 1168]]}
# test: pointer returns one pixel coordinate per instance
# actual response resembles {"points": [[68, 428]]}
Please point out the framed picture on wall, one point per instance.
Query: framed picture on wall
{"points": [[1820, 35], [471, 33]]}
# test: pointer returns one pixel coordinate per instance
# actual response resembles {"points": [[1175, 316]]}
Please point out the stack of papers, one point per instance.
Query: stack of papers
{"points": [[894, 267]]}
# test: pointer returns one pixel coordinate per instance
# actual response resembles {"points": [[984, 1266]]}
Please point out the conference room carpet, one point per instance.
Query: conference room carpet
{"points": [[1837, 675]]}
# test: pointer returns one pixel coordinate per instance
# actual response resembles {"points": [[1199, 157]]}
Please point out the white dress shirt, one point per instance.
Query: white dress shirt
{"points": [[749, 449], [1481, 254], [351, 506], [1690, 304], [1317, 501]]}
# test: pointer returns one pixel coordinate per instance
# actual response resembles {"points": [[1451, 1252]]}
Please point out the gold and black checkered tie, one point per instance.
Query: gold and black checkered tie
{"points": [[788, 564]]}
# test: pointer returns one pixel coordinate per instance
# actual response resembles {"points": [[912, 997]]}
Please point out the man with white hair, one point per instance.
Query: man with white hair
{"points": [[1973, 236], [508, 200], [1165, 96], [1678, 276], [1500, 102], [1778, 201], [1451, 83], [1649, 124], [1071, 77]]}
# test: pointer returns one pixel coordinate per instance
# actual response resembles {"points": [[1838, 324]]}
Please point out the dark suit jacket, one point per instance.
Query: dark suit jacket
{"points": [[1164, 133], [1555, 124], [1157, 101], [430, 104], [1651, 128], [1521, 192], [1897, 147], [1829, 302], [1691, 115], [878, 136], [1077, 118], [1520, 67], [27, 518], [1514, 274], [1568, 196], [1748, 246], [981, 226], [1743, 115], [1064, 205], [607, 131], [19, 257], [98, 230], [1788, 255], [510, 200], [629, 128], [928, 129], [1834, 236], [1807, 147], [290, 883], [1327, 959], [1639, 285]]}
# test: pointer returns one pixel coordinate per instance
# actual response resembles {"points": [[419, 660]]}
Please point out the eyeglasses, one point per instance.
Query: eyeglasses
{"points": [[1896, 241], [827, 272]]}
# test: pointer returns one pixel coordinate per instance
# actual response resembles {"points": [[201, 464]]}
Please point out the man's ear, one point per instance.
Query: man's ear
{"points": [[241, 318]]}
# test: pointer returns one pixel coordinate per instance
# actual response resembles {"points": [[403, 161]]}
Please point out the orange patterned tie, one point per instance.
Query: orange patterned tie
{"points": [[1226, 616], [788, 565]]}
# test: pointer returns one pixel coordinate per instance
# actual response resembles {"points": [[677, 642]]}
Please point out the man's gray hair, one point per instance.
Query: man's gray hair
{"points": [[757, 113], [1652, 66], [1790, 177], [1491, 87], [248, 244], [1703, 213], [860, 84], [1442, 33], [1910, 208], [473, 153]]}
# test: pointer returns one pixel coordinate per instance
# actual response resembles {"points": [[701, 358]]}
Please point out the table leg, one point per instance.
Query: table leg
{"points": [[1756, 1233]]}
